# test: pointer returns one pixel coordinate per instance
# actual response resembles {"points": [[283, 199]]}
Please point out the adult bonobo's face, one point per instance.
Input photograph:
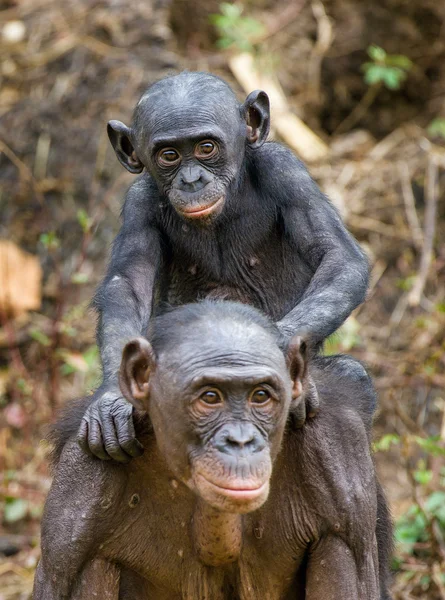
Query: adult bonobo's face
{"points": [[190, 132], [218, 398]]}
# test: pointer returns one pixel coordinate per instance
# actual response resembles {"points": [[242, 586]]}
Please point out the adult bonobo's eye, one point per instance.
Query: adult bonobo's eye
{"points": [[168, 157], [206, 149], [211, 397], [260, 396]]}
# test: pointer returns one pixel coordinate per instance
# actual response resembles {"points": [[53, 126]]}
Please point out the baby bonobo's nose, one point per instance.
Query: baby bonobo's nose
{"points": [[193, 179]]}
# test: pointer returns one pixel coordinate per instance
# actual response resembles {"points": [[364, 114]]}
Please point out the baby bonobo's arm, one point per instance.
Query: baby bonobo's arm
{"points": [[340, 268], [124, 302]]}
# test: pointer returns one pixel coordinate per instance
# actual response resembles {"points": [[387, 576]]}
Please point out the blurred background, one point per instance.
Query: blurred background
{"points": [[358, 92]]}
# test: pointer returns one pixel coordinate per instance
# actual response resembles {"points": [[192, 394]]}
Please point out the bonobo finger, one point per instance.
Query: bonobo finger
{"points": [[312, 400], [82, 437], [298, 415], [95, 441], [111, 443], [126, 435]]}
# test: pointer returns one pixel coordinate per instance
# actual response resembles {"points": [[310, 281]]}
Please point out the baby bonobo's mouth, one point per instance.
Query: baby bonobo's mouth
{"points": [[203, 210]]}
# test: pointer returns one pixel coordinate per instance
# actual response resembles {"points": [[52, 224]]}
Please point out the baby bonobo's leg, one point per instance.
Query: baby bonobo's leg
{"points": [[352, 376]]}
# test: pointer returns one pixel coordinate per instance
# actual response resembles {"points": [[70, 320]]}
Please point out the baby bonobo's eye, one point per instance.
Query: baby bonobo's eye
{"points": [[260, 396], [206, 149], [168, 157], [211, 397]]}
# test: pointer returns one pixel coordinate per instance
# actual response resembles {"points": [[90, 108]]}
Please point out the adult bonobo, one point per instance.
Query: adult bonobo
{"points": [[217, 213], [227, 504]]}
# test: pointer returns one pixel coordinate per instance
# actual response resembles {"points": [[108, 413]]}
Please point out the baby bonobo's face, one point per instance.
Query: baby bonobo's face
{"points": [[190, 133], [218, 401]]}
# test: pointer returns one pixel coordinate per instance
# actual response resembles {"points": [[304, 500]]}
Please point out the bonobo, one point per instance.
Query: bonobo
{"points": [[228, 504], [217, 213]]}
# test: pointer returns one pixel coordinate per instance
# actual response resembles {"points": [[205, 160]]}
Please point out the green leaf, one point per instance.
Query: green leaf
{"points": [[91, 357], [423, 476], [50, 240], [407, 283], [234, 29], [84, 220], [375, 74], [435, 502], [437, 128], [15, 510], [79, 278], [400, 61], [393, 77], [386, 441], [40, 337], [376, 53], [231, 11], [431, 445], [411, 529]]}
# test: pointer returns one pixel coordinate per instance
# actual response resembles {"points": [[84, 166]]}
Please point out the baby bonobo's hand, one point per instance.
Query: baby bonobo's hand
{"points": [[107, 429], [308, 406]]}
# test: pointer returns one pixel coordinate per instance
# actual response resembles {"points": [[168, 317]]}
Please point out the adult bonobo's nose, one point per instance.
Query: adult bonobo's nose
{"points": [[193, 179], [237, 438]]}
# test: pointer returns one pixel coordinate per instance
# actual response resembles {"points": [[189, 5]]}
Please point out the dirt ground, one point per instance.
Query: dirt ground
{"points": [[67, 68]]}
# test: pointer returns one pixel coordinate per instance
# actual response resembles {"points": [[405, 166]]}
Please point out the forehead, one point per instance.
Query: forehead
{"points": [[229, 348], [184, 107]]}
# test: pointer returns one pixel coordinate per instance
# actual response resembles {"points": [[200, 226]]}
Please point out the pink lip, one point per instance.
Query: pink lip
{"points": [[202, 211], [248, 493]]}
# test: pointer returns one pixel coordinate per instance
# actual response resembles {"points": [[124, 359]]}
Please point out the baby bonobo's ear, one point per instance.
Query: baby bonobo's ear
{"points": [[256, 111], [120, 138], [138, 362]]}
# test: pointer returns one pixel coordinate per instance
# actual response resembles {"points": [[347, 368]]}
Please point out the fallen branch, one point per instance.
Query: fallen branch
{"points": [[291, 129]]}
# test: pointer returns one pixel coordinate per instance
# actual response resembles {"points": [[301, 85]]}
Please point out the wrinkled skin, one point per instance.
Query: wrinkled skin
{"points": [[228, 503], [220, 213]]}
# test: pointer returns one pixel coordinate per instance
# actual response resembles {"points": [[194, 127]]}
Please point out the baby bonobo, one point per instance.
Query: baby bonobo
{"points": [[227, 503], [218, 213]]}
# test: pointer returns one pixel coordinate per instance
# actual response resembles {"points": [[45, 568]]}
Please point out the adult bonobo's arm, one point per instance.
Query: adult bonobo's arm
{"points": [[340, 267], [124, 302], [334, 572]]}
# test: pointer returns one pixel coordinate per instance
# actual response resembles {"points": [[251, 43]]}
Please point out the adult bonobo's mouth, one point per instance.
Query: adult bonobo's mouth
{"points": [[235, 496], [198, 212]]}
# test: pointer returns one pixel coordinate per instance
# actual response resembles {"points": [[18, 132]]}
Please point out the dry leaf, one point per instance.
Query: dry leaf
{"points": [[20, 280]]}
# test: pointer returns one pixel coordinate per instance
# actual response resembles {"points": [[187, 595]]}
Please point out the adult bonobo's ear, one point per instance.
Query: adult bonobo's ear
{"points": [[256, 111], [119, 135], [138, 362], [296, 363]]}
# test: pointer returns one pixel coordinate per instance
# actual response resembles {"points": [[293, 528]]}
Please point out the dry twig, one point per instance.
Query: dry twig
{"points": [[431, 196], [410, 205], [325, 36]]}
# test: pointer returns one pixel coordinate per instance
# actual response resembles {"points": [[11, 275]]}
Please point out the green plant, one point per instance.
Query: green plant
{"points": [[420, 532], [391, 70], [233, 29], [437, 128], [343, 340]]}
